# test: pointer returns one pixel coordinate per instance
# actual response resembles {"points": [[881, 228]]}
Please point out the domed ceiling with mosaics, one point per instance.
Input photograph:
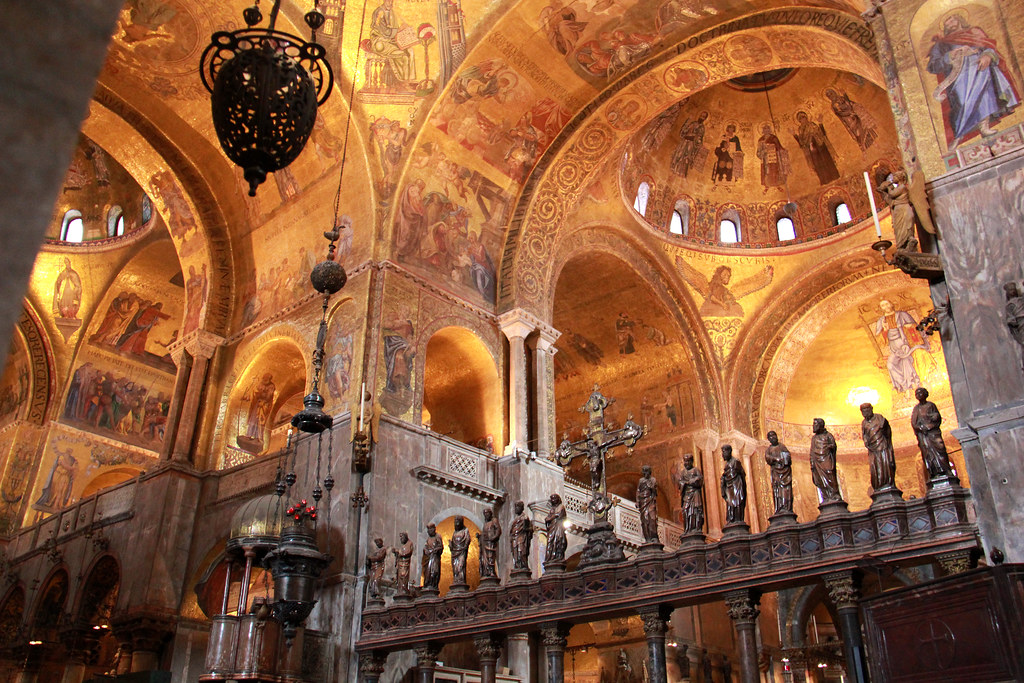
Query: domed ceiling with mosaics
{"points": [[741, 150]]}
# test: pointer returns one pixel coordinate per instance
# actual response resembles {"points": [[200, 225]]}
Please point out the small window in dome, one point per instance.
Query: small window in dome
{"points": [[842, 213], [147, 209], [786, 229], [729, 232], [676, 226], [72, 229], [115, 222], [640, 203]]}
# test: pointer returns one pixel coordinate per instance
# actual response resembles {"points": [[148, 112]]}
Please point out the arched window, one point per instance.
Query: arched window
{"points": [[842, 213], [115, 222], [729, 231], [676, 226], [72, 229], [785, 228], [680, 224], [640, 203], [147, 209]]}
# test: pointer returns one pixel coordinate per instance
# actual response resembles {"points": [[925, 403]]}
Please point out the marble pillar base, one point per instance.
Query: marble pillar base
{"points": [[833, 508], [403, 598], [458, 588], [554, 567], [375, 603], [652, 548], [692, 538], [735, 529], [520, 575], [886, 495], [782, 518], [429, 593], [943, 482], [490, 582]]}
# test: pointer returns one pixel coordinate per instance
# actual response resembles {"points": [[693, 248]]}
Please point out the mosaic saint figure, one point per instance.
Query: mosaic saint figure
{"points": [[554, 523], [388, 44], [857, 119], [898, 331], [647, 504], [877, 435], [728, 157], [459, 547], [691, 496], [403, 563], [721, 300], [56, 491], [521, 532], [774, 159], [261, 402], [375, 562], [67, 292], [691, 145], [433, 548], [781, 463], [734, 486], [817, 149], [975, 86], [927, 423], [823, 462], [488, 541]]}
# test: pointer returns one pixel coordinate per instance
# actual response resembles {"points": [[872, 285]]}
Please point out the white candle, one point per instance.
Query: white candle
{"points": [[362, 394], [874, 211]]}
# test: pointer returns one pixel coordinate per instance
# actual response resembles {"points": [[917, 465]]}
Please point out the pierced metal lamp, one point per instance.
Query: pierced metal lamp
{"points": [[266, 86]]}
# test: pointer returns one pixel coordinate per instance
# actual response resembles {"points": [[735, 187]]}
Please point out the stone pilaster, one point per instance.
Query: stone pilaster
{"points": [[544, 399], [517, 326]]}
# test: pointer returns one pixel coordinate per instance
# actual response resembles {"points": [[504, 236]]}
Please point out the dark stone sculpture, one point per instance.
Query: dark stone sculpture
{"points": [[375, 562], [823, 462], [877, 436], [557, 542], [432, 550], [403, 564], [647, 504], [781, 463], [1015, 313], [691, 494], [488, 541], [521, 532], [927, 421], [459, 547], [734, 487]]}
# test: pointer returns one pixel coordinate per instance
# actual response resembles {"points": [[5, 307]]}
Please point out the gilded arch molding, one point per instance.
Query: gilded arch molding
{"points": [[737, 48]]}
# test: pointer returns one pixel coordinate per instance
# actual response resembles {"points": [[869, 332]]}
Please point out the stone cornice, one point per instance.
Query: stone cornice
{"points": [[451, 482]]}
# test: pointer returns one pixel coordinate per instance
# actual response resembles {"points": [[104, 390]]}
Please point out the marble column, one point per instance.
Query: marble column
{"points": [[517, 325], [554, 637], [544, 398], [201, 346], [655, 622], [743, 611], [706, 459], [183, 362], [517, 652], [371, 666], [844, 592], [426, 662], [488, 648]]}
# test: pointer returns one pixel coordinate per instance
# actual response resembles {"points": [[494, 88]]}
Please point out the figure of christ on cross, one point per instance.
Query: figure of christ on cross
{"points": [[595, 445]]}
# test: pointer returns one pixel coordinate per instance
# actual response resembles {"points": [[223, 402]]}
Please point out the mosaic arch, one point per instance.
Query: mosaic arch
{"points": [[560, 178], [31, 374], [192, 209], [651, 268], [761, 342], [269, 382]]}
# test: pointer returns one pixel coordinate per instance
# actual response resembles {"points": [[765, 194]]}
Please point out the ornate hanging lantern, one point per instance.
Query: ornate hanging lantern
{"points": [[266, 86], [296, 564]]}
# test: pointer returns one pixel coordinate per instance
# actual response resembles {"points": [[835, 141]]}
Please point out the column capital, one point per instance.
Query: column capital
{"points": [[546, 338], [518, 323], [742, 606], [372, 663], [554, 636], [426, 655], [655, 620], [487, 646], [843, 589]]}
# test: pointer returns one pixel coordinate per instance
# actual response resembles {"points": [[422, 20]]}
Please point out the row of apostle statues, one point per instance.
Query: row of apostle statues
{"points": [[875, 431]]}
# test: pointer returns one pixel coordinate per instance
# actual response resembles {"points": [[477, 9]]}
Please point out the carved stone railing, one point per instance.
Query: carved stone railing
{"points": [[109, 506], [907, 532], [624, 516]]}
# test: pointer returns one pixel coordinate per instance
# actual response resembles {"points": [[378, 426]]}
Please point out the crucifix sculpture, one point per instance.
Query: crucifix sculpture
{"points": [[602, 544]]}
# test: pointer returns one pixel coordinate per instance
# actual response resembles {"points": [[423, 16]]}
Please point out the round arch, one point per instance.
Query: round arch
{"points": [[566, 170]]}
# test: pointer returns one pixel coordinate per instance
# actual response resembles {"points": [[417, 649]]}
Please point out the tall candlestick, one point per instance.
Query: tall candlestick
{"points": [[362, 395], [874, 211]]}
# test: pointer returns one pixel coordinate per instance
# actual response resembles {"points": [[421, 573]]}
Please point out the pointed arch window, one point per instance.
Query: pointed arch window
{"points": [[680, 223], [642, 193], [72, 228]]}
